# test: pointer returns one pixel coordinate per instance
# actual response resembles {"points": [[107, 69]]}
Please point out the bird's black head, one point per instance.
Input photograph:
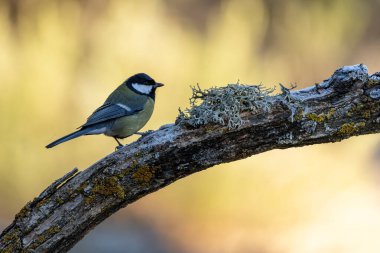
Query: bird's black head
{"points": [[143, 84]]}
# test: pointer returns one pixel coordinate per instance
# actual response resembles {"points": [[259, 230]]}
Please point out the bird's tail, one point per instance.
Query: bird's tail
{"points": [[76, 134]]}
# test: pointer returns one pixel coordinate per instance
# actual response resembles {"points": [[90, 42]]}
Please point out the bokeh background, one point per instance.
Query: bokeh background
{"points": [[60, 59]]}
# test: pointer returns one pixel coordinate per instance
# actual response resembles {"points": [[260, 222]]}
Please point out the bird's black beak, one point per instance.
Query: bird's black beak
{"points": [[158, 85]]}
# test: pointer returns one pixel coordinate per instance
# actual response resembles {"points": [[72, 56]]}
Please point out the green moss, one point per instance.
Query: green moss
{"points": [[299, 114], [59, 201], [11, 248], [331, 113], [359, 108], [71, 192], [355, 109], [347, 128], [134, 164], [81, 188], [52, 231], [372, 83], [13, 240], [366, 114], [40, 239], [211, 127], [23, 212], [8, 237], [42, 202], [350, 128], [12, 236], [364, 110], [88, 200], [143, 174], [44, 236], [123, 173], [317, 118], [109, 186]]}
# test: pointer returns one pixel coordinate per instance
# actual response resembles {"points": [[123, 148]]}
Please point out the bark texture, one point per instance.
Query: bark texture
{"points": [[345, 105]]}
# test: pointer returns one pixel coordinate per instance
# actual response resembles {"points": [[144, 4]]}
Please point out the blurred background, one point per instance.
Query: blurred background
{"points": [[59, 60]]}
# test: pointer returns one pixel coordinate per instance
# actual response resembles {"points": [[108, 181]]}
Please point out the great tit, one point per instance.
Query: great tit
{"points": [[124, 112]]}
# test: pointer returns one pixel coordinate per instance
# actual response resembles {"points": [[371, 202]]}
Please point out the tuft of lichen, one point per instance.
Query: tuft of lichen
{"points": [[223, 105]]}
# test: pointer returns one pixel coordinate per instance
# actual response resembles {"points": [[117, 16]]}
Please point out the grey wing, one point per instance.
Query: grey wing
{"points": [[109, 111]]}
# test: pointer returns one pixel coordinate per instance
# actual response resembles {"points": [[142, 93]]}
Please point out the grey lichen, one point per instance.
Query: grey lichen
{"points": [[343, 78], [286, 139], [375, 93], [223, 105], [309, 126], [285, 92], [373, 80]]}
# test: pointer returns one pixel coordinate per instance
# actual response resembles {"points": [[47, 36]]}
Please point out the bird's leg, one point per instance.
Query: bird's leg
{"points": [[118, 142]]}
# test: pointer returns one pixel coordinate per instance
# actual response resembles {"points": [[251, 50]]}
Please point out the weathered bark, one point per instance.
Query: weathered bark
{"points": [[342, 106]]}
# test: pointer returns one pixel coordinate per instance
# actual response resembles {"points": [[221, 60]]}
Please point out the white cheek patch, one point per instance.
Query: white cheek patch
{"points": [[142, 88]]}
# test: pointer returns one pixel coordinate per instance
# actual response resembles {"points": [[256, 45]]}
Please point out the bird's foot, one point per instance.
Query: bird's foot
{"points": [[145, 133], [118, 147], [166, 126]]}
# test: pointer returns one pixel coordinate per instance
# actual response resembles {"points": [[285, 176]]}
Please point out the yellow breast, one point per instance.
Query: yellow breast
{"points": [[129, 125]]}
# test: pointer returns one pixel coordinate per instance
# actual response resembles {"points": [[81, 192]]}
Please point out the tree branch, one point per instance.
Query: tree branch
{"points": [[342, 106]]}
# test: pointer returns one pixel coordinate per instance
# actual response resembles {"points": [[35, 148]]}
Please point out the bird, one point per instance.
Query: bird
{"points": [[126, 110]]}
